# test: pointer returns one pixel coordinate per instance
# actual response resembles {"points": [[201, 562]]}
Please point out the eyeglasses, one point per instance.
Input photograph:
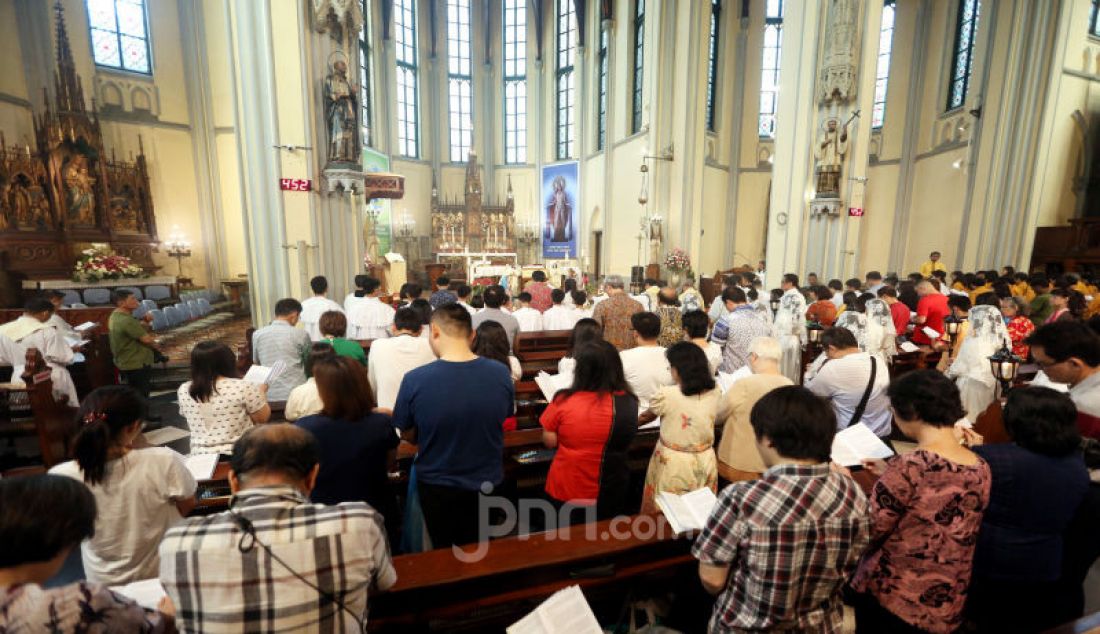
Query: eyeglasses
{"points": [[1046, 364]]}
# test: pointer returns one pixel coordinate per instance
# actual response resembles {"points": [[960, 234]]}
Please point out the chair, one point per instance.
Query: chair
{"points": [[78, 305], [204, 306], [160, 321], [71, 297], [148, 304], [133, 289], [196, 310], [174, 316], [97, 296], [140, 311], [157, 292]]}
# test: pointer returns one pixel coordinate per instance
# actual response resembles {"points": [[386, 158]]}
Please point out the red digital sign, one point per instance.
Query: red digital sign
{"points": [[855, 212], [295, 184]]}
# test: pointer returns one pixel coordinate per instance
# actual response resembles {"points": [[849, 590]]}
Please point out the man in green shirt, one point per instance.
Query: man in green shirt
{"points": [[1041, 307], [132, 344]]}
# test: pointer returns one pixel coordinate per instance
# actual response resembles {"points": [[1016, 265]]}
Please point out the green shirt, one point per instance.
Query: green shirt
{"points": [[345, 348], [1041, 308], [125, 336]]}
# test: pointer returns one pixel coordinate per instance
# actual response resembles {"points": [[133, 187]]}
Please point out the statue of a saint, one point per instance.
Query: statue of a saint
{"points": [[655, 239], [559, 213], [830, 150], [341, 115], [79, 191]]}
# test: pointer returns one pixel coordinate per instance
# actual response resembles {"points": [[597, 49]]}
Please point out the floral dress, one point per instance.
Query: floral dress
{"points": [[1019, 329], [683, 459]]}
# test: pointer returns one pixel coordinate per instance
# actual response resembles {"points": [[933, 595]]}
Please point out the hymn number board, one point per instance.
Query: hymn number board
{"points": [[295, 184]]}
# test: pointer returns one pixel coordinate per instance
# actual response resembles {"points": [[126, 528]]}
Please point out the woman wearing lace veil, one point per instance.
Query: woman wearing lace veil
{"points": [[881, 337], [970, 369], [853, 322], [790, 328]]}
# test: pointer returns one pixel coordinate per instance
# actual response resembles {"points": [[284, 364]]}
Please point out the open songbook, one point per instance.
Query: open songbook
{"points": [[261, 375], [687, 512], [565, 612], [726, 380], [147, 593], [857, 443], [551, 384], [201, 466]]}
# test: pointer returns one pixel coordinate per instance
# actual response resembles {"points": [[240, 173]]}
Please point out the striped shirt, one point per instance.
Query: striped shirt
{"points": [[276, 342], [221, 580], [734, 333]]}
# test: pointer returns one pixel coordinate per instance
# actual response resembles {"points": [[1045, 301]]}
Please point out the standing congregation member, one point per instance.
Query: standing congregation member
{"points": [[558, 316], [443, 295], [645, 365], [690, 299], [494, 298], [242, 570], [614, 313], [695, 324], [45, 517], [539, 290], [591, 425], [491, 342], [738, 457], [140, 493], [778, 550], [584, 331], [932, 265], [281, 341], [790, 327], [334, 328], [33, 330], [581, 308], [1069, 352], [1041, 307], [304, 400], [881, 338], [1067, 304], [854, 382], [463, 293], [529, 319], [1019, 327], [874, 282], [57, 298], [358, 294], [358, 446], [931, 311], [315, 306], [370, 318], [132, 343], [683, 459], [668, 310], [1039, 482], [217, 406], [899, 312], [392, 358], [970, 368], [454, 410], [737, 329], [718, 308], [926, 510], [821, 310]]}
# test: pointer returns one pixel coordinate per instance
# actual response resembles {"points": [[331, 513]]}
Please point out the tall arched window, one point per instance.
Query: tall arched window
{"points": [[515, 81], [366, 74], [404, 35], [119, 31], [712, 63], [639, 65], [566, 80], [459, 79], [769, 68], [601, 90], [962, 60], [882, 71]]}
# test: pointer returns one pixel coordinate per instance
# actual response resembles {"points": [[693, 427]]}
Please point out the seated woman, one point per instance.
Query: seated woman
{"points": [[304, 399], [1039, 481], [584, 330], [491, 342], [926, 510], [140, 492], [683, 459], [592, 425], [44, 518], [334, 326], [358, 446], [218, 406]]}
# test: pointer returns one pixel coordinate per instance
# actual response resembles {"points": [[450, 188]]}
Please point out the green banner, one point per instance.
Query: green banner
{"points": [[377, 162]]}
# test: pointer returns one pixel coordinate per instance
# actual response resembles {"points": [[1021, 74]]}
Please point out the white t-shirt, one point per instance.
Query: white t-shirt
{"points": [[390, 359], [646, 369], [369, 319], [135, 505], [714, 356], [312, 309], [303, 401], [218, 423], [843, 381], [529, 319], [558, 317]]}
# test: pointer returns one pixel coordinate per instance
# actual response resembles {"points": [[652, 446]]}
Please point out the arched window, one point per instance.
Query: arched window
{"points": [[366, 74], [601, 90], [962, 60], [515, 81], [119, 31], [769, 67], [639, 65], [882, 71], [459, 79], [404, 31], [712, 63], [566, 80]]}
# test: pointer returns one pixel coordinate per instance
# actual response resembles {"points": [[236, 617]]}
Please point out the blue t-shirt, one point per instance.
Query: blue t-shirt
{"points": [[353, 460], [458, 410]]}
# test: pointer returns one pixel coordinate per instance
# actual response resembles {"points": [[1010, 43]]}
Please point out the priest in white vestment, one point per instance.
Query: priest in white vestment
{"points": [[32, 330], [315, 306]]}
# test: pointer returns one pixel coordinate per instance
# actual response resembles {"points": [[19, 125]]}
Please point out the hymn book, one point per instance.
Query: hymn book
{"points": [[857, 443], [687, 512], [86, 326], [262, 375], [726, 380], [147, 593], [201, 466], [551, 384], [565, 612]]}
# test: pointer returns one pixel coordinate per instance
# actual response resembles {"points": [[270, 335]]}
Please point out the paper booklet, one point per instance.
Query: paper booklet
{"points": [[932, 334], [147, 593], [857, 443], [75, 341], [88, 325], [687, 512], [202, 466], [907, 346], [726, 380], [261, 375], [165, 435], [551, 384], [565, 612]]}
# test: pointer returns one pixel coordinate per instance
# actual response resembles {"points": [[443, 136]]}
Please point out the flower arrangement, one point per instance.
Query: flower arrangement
{"points": [[677, 260], [99, 263]]}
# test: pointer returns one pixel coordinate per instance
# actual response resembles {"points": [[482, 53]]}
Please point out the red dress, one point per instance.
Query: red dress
{"points": [[1019, 329]]}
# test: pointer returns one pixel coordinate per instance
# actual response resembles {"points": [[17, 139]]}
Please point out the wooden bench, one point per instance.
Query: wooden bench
{"points": [[541, 350], [98, 367], [52, 422]]}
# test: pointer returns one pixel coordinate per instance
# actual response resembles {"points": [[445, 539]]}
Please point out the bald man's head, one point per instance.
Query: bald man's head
{"points": [[282, 451], [667, 296]]}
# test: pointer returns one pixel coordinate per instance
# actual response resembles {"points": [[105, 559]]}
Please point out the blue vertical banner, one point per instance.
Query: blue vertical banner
{"points": [[560, 201]]}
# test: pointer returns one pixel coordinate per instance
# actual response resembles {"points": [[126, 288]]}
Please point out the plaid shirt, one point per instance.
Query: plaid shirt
{"points": [[791, 539], [218, 588]]}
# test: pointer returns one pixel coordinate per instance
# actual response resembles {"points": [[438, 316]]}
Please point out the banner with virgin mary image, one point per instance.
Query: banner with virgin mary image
{"points": [[560, 202]]}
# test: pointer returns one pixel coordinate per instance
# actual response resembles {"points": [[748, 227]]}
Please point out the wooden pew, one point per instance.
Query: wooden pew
{"points": [[437, 592], [541, 350], [54, 423], [98, 368]]}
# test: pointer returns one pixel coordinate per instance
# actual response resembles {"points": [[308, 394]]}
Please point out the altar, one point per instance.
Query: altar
{"points": [[165, 283], [478, 265]]}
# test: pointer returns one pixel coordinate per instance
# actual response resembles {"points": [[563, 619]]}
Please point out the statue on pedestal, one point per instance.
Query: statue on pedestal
{"points": [[341, 116], [829, 151]]}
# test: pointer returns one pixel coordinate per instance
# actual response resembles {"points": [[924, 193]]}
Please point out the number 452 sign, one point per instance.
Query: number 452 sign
{"points": [[295, 184]]}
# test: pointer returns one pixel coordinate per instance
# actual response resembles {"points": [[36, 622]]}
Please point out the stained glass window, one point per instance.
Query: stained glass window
{"points": [[639, 65], [769, 68], [712, 64], [601, 91], [119, 34], [515, 81], [882, 71], [962, 61], [459, 80], [366, 74], [405, 48], [566, 82]]}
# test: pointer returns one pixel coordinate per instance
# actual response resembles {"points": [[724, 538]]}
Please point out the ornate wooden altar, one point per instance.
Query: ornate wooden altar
{"points": [[467, 225], [66, 192]]}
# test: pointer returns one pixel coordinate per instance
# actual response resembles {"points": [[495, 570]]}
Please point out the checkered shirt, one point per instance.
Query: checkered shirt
{"points": [[218, 588], [790, 539]]}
